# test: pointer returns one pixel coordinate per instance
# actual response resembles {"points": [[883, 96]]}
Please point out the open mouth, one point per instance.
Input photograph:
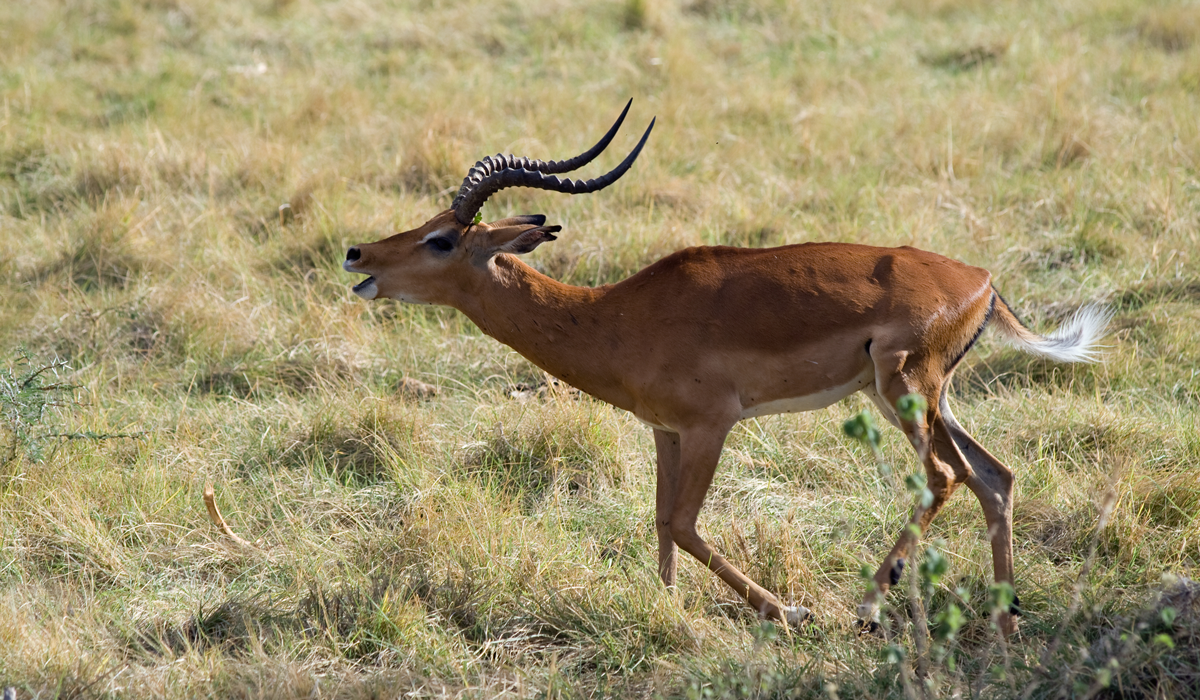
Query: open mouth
{"points": [[366, 289]]}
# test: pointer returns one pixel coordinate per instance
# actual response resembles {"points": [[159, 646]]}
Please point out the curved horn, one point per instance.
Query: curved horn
{"points": [[498, 162], [471, 198]]}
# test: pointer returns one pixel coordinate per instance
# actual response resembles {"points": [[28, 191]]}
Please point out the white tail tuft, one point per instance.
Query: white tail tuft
{"points": [[1076, 340]]}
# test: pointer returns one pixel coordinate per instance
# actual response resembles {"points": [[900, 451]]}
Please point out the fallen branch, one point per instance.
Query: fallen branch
{"points": [[210, 502]]}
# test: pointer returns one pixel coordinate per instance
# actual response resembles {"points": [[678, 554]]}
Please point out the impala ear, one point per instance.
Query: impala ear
{"points": [[522, 220], [527, 240]]}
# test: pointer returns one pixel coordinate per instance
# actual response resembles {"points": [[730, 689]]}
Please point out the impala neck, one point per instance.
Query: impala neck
{"points": [[555, 326]]}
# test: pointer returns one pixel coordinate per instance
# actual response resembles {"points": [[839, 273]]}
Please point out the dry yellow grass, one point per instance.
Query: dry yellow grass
{"points": [[472, 544]]}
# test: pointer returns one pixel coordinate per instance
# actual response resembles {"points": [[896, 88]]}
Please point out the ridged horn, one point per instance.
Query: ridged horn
{"points": [[491, 164], [493, 174]]}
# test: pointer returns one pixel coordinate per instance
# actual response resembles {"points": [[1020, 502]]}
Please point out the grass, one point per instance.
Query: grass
{"points": [[497, 540]]}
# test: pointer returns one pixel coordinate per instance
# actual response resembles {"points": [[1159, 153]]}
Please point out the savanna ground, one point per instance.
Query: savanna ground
{"points": [[497, 538]]}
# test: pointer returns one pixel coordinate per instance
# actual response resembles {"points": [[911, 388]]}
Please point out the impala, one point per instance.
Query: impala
{"points": [[709, 336]]}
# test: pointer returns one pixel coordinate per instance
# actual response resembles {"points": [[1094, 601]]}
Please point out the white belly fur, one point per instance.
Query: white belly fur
{"points": [[656, 426], [796, 404], [812, 402]]}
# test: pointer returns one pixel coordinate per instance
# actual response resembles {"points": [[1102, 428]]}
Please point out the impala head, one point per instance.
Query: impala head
{"points": [[425, 265]]}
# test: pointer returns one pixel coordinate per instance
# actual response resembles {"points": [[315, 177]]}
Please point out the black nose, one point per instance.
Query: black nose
{"points": [[353, 254]]}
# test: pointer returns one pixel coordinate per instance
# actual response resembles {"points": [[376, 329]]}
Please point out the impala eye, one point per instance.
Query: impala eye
{"points": [[442, 244]]}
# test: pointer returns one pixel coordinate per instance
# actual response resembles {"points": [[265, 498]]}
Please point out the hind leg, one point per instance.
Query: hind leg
{"points": [[992, 483], [945, 470]]}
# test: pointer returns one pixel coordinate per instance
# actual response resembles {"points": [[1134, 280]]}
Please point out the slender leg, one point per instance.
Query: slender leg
{"points": [[943, 472], [944, 468], [992, 483], [667, 448], [699, 451]]}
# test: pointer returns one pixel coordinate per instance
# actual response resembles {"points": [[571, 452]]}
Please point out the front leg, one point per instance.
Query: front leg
{"points": [[699, 450], [666, 446]]}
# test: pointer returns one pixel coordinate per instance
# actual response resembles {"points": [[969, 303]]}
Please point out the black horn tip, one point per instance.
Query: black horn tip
{"points": [[645, 136]]}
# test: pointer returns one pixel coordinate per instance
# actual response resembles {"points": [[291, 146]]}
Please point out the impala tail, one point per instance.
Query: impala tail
{"points": [[1076, 340]]}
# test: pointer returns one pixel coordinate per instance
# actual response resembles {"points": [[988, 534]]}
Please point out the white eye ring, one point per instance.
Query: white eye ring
{"points": [[430, 236]]}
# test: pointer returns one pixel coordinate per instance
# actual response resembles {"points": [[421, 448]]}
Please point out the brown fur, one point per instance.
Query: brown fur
{"points": [[698, 338]]}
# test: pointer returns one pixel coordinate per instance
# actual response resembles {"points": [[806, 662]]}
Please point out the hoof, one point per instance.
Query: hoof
{"points": [[796, 615], [869, 628]]}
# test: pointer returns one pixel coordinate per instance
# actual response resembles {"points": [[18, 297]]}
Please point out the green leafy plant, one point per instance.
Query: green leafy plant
{"points": [[28, 391], [935, 665], [862, 428], [31, 391]]}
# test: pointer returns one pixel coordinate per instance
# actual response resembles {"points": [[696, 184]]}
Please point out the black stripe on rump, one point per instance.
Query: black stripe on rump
{"points": [[978, 332]]}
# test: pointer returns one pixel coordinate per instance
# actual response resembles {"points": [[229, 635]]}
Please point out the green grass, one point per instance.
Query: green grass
{"points": [[474, 544]]}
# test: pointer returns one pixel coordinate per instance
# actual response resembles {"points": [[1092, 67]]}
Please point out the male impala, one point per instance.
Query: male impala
{"points": [[708, 336]]}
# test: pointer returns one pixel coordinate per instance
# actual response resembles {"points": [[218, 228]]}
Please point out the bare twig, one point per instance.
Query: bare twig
{"points": [[90, 435], [210, 502], [920, 623]]}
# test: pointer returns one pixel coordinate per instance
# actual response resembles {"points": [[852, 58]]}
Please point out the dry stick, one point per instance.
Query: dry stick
{"points": [[210, 502], [905, 666], [889, 620], [906, 670], [920, 624]]}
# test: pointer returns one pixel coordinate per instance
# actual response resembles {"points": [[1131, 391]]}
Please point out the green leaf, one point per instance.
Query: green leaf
{"points": [[933, 567], [478, 217], [766, 632], [947, 622], [914, 483], [910, 406], [1168, 616], [893, 653], [862, 428], [1001, 596], [1165, 640]]}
